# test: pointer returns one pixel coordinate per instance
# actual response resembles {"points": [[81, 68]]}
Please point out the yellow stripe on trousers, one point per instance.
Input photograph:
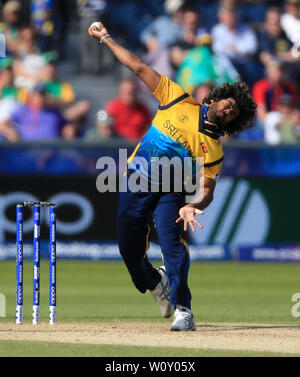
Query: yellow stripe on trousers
{"points": [[147, 239]]}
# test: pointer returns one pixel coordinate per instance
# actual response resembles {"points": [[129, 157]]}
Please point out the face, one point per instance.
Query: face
{"points": [[223, 111], [38, 100], [49, 72], [293, 9], [272, 23], [228, 18], [26, 38], [12, 17], [178, 16], [128, 92], [7, 77], [274, 74], [286, 110], [190, 20]]}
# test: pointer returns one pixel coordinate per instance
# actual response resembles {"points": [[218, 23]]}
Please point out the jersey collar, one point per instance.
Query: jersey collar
{"points": [[207, 128]]}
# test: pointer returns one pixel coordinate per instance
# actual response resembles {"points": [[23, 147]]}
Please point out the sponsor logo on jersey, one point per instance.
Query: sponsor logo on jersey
{"points": [[183, 118], [204, 147]]}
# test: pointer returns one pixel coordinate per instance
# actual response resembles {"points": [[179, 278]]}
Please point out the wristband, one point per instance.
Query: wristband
{"points": [[106, 36]]}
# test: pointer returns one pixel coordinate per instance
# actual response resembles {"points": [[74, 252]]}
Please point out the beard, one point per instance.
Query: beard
{"points": [[214, 115]]}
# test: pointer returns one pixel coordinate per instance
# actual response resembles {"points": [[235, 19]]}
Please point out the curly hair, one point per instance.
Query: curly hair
{"points": [[245, 102]]}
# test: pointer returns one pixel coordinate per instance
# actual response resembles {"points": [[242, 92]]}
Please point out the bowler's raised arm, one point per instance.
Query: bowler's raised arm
{"points": [[150, 77]]}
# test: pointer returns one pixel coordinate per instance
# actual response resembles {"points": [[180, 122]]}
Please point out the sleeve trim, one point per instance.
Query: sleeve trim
{"points": [[210, 164], [179, 99]]}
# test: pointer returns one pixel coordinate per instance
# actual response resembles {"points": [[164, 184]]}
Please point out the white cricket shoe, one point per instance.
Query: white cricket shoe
{"points": [[161, 294], [183, 320]]}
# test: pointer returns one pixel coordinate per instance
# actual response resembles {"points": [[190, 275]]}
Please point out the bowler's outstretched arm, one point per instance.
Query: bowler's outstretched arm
{"points": [[150, 77]]}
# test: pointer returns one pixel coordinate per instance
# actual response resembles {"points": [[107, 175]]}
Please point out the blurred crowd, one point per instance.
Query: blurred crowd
{"points": [[197, 43]]}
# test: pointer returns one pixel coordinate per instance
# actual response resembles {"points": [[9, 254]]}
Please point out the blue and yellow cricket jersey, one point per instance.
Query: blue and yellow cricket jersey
{"points": [[179, 130]]}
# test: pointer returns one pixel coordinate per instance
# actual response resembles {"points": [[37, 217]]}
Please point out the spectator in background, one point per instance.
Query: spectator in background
{"points": [[273, 42], [42, 19], [237, 42], [165, 30], [35, 122], [190, 24], [10, 96], [29, 62], [157, 38], [9, 25], [91, 55], [131, 118], [104, 129], [290, 20], [60, 94], [7, 86], [201, 65], [269, 90], [283, 125], [289, 126]]}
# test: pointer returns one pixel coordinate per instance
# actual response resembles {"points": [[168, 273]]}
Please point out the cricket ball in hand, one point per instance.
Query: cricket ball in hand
{"points": [[96, 25]]}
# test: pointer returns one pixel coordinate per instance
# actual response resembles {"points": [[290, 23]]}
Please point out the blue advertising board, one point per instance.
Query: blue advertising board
{"points": [[80, 159]]}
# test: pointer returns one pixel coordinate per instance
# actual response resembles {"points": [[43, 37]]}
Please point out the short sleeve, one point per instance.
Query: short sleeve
{"points": [[111, 108], [259, 92], [213, 172], [167, 91], [67, 93]]}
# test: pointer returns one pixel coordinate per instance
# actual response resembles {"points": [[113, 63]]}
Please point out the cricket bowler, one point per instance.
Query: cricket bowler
{"points": [[181, 128]]}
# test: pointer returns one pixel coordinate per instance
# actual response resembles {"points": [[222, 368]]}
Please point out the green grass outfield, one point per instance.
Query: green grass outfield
{"points": [[44, 349], [102, 291]]}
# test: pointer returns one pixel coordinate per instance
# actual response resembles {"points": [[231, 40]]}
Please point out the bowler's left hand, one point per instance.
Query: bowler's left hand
{"points": [[187, 214]]}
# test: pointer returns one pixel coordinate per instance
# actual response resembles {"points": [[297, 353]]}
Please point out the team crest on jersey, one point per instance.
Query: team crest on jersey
{"points": [[204, 147], [183, 118]]}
